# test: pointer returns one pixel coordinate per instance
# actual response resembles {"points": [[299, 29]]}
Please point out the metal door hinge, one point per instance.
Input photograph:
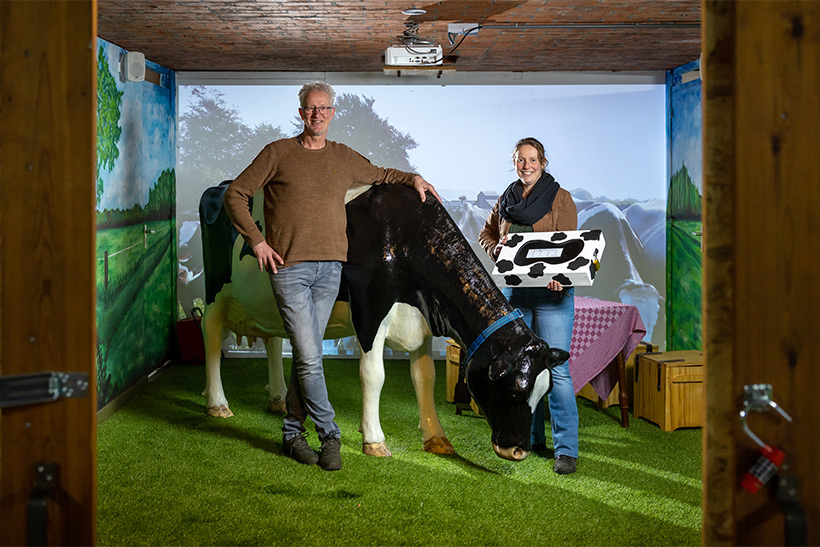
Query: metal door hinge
{"points": [[45, 481], [41, 387], [796, 525]]}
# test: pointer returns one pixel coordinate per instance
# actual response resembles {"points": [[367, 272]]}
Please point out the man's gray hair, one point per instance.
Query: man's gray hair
{"points": [[316, 86]]}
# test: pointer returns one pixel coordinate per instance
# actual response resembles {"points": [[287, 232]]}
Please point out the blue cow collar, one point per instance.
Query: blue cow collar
{"points": [[512, 316]]}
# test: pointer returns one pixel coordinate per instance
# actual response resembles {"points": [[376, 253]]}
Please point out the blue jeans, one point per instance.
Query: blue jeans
{"points": [[551, 316], [305, 294]]}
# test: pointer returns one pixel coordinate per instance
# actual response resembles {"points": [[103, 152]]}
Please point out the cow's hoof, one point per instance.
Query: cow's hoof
{"points": [[221, 411], [376, 449], [439, 445], [277, 407], [515, 453]]}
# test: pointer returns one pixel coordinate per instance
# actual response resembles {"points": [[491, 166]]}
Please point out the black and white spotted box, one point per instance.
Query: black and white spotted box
{"points": [[533, 259]]}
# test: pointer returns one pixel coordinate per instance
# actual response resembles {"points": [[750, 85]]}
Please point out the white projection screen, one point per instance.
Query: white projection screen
{"points": [[605, 143]]}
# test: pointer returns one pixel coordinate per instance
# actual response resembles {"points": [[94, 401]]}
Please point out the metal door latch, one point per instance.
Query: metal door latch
{"points": [[758, 397], [41, 387]]}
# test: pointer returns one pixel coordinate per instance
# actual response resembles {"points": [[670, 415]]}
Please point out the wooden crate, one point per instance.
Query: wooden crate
{"points": [[669, 389], [453, 354], [614, 396]]}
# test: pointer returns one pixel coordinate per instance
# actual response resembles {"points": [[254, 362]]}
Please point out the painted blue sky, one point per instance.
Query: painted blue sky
{"points": [[687, 141], [607, 139], [146, 144]]}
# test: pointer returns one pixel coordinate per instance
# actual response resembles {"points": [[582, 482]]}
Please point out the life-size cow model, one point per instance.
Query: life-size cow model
{"points": [[410, 275]]}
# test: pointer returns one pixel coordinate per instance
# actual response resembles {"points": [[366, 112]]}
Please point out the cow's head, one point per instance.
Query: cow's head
{"points": [[507, 376]]}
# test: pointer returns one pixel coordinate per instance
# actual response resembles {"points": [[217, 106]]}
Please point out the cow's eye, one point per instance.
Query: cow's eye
{"points": [[499, 369]]}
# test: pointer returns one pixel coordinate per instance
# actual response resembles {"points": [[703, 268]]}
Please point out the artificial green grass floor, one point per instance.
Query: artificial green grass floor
{"points": [[169, 475]]}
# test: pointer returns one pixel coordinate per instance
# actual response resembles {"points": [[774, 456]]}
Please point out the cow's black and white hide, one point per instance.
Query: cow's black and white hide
{"points": [[407, 252], [410, 275]]}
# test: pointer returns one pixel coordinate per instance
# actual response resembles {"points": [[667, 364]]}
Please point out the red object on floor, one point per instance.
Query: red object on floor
{"points": [[190, 341]]}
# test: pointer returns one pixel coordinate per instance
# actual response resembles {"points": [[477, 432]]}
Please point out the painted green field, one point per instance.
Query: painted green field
{"points": [[684, 285], [134, 304]]}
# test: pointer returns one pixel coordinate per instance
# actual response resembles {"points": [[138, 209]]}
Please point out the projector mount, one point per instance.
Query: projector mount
{"points": [[414, 50], [410, 37]]}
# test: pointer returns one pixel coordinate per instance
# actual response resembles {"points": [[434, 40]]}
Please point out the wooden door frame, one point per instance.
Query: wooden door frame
{"points": [[47, 258], [47, 279], [761, 106]]}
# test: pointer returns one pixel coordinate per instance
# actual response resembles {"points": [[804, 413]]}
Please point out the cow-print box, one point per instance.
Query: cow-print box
{"points": [[534, 259]]}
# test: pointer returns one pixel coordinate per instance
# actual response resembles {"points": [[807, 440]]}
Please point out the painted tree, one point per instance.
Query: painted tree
{"points": [[109, 100], [684, 201], [161, 197]]}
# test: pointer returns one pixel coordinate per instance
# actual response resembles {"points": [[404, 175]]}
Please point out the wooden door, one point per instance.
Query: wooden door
{"points": [[47, 230], [761, 75]]}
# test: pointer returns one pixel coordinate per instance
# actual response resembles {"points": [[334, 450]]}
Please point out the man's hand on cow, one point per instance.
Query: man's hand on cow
{"points": [[555, 286], [267, 257], [423, 186]]}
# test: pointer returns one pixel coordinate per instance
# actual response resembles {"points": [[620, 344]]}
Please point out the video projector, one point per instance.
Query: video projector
{"points": [[413, 55]]}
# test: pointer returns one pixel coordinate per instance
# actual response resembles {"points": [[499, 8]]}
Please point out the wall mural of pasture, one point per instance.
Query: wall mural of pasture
{"points": [[684, 212], [136, 238]]}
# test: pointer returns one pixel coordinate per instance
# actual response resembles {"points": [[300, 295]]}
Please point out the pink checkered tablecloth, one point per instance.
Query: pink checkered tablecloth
{"points": [[602, 330]]}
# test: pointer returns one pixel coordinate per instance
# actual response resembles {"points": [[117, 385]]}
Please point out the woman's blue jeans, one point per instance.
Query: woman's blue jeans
{"points": [[305, 293], [551, 316]]}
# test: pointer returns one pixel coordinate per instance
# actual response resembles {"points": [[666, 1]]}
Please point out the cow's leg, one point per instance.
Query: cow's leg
{"points": [[423, 372], [276, 376], [371, 373], [213, 321]]}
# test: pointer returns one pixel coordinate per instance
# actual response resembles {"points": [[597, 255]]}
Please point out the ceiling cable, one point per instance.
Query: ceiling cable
{"points": [[569, 26]]}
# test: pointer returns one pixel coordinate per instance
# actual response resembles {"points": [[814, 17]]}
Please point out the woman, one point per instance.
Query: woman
{"points": [[536, 203]]}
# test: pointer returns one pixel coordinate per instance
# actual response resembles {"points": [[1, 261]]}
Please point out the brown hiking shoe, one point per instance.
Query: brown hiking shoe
{"points": [[331, 458], [564, 465], [298, 448]]}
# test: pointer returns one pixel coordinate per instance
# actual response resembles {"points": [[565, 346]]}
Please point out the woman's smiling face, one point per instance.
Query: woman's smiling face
{"points": [[527, 164]]}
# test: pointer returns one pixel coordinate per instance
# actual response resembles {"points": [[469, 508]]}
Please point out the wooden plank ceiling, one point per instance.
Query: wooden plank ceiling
{"points": [[351, 35]]}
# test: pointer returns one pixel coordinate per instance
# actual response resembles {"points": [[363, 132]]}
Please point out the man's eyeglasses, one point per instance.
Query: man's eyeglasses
{"points": [[319, 109]]}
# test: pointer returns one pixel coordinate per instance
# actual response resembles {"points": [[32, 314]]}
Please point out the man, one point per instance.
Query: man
{"points": [[305, 179]]}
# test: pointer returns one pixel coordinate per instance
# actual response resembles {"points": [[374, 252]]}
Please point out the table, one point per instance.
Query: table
{"points": [[604, 335]]}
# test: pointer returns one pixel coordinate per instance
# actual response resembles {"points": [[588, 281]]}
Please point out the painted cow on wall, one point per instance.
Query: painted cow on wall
{"points": [[410, 275]]}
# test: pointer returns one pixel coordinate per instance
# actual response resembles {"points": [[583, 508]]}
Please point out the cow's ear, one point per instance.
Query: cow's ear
{"points": [[558, 355]]}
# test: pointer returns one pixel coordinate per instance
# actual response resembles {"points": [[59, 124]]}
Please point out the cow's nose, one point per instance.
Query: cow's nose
{"points": [[515, 453]]}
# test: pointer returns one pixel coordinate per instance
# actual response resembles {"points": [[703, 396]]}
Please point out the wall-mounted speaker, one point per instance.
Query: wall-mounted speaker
{"points": [[132, 66]]}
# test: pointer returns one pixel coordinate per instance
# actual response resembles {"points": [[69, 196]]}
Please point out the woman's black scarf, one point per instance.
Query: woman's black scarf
{"points": [[515, 208]]}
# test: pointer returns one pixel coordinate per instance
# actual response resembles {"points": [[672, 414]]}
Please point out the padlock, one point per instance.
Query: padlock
{"points": [[764, 468]]}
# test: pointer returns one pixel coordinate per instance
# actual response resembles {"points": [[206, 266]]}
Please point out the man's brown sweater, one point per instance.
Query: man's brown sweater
{"points": [[304, 193]]}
